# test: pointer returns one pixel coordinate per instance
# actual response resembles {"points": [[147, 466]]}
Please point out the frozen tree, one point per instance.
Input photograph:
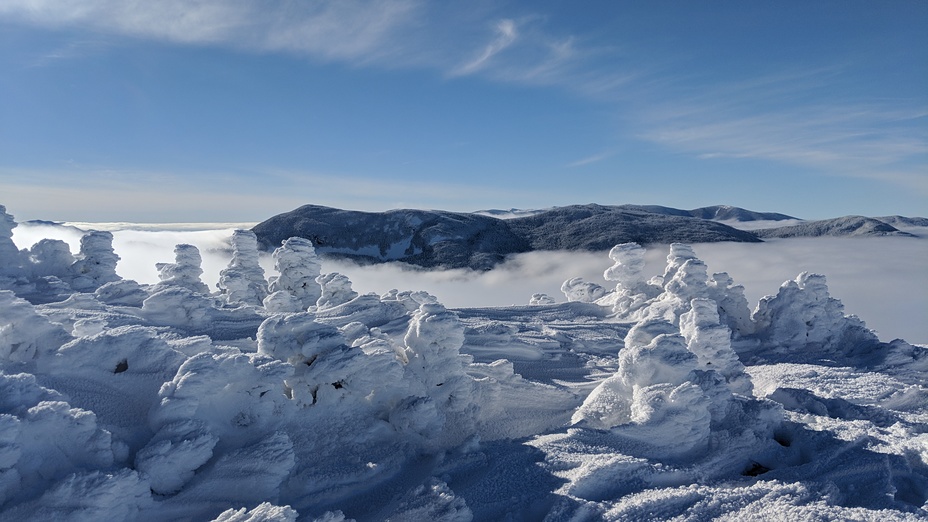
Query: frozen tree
{"points": [[631, 291], [298, 267], [243, 281], [711, 342], [433, 342], [678, 255], [629, 264], [689, 280], [652, 398], [540, 299], [24, 334], [50, 257], [803, 317], [336, 290], [733, 306], [576, 289], [282, 302], [96, 262], [11, 259], [121, 293], [184, 272]]}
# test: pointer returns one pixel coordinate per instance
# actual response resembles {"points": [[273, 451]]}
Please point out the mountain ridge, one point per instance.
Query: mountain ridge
{"points": [[481, 240]]}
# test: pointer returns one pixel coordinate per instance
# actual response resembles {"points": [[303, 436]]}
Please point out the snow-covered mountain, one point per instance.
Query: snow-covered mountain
{"points": [[481, 240], [433, 238], [422, 237], [855, 226]]}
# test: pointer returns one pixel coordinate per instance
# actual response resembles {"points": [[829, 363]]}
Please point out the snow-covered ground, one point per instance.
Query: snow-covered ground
{"points": [[638, 385]]}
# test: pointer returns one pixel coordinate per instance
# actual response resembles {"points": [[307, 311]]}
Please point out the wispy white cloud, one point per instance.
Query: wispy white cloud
{"points": [[347, 30], [589, 160], [790, 118], [506, 34], [110, 194]]}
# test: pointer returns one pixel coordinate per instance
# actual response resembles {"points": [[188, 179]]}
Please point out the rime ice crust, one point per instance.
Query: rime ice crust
{"points": [[96, 262], [138, 402], [298, 267], [243, 281], [184, 272]]}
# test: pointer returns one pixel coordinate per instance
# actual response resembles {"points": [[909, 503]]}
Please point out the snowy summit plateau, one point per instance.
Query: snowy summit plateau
{"points": [[286, 394]]}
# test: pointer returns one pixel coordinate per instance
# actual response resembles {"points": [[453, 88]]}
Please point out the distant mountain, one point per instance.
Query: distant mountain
{"points": [[715, 213], [455, 240], [598, 227], [841, 227], [902, 221], [426, 238], [480, 240]]}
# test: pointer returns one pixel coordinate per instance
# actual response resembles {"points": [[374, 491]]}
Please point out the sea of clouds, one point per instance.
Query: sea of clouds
{"points": [[880, 279]]}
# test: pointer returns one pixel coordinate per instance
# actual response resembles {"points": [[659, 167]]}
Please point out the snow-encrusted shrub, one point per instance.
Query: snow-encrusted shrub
{"points": [[631, 291], [50, 257], [243, 280], [216, 402], [24, 334], [711, 342], [733, 307], [433, 342], [336, 290], [96, 262], [122, 293], [117, 373], [298, 267], [689, 281], [804, 319], [540, 300], [576, 289], [282, 302], [44, 439], [184, 272], [652, 398], [11, 259]]}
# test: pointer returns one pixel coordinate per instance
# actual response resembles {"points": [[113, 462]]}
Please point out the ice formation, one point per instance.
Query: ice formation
{"points": [[336, 290], [243, 281], [184, 272], [96, 262], [804, 317], [50, 257], [661, 398], [11, 262], [576, 289], [298, 267]]}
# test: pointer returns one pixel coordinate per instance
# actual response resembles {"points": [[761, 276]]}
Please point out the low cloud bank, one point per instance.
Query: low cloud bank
{"points": [[880, 279]]}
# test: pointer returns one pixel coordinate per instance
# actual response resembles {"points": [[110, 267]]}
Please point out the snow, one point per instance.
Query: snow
{"points": [[656, 392]]}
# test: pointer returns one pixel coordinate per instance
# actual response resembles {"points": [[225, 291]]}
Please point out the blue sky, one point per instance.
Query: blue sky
{"points": [[168, 111]]}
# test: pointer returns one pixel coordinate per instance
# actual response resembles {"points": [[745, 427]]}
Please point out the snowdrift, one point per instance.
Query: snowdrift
{"points": [[297, 397]]}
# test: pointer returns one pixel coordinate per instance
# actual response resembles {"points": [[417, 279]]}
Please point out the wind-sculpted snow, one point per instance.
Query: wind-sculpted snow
{"points": [[96, 262], [298, 267], [243, 281], [184, 272], [662, 397]]}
